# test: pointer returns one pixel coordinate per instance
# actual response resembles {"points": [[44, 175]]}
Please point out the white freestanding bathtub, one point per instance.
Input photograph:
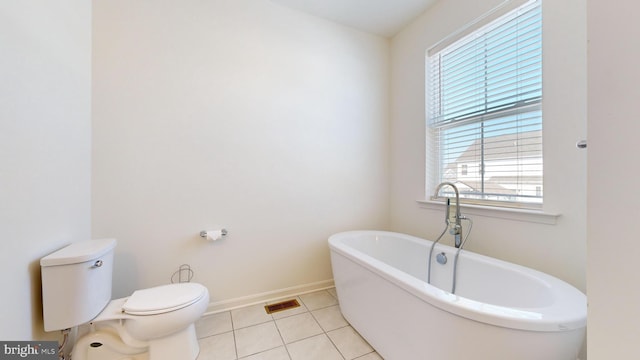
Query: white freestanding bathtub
{"points": [[499, 310]]}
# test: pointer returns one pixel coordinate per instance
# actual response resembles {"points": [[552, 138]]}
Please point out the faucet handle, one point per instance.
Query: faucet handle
{"points": [[455, 229]]}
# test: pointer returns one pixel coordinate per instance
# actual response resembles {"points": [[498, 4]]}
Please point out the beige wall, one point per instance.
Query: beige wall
{"points": [[243, 114], [614, 250], [45, 144]]}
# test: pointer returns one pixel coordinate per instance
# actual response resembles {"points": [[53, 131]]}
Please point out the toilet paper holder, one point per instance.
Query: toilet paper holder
{"points": [[223, 232]]}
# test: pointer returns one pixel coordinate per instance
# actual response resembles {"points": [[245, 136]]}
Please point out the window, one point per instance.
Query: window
{"points": [[484, 110]]}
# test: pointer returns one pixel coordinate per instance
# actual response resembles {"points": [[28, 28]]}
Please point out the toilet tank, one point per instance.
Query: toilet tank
{"points": [[76, 283]]}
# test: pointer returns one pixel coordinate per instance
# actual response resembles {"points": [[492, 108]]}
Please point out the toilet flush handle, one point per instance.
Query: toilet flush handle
{"points": [[98, 263]]}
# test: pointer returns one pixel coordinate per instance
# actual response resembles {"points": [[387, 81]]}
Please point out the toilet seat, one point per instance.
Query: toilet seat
{"points": [[163, 299]]}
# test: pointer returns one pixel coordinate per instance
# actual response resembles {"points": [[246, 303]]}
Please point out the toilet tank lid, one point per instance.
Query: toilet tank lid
{"points": [[79, 252], [163, 298]]}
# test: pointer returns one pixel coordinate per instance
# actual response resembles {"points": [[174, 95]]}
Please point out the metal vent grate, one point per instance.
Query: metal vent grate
{"points": [[281, 306]]}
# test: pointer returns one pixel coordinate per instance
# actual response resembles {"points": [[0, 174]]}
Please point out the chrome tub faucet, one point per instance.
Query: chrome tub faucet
{"points": [[452, 215]]}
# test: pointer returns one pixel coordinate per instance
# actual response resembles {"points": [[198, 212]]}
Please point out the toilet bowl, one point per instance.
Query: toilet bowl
{"points": [[152, 324], [157, 322]]}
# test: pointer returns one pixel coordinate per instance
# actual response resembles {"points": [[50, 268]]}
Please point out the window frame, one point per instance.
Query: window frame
{"points": [[433, 167]]}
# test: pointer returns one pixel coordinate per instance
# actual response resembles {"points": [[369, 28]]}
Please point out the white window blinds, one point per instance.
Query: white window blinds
{"points": [[484, 110]]}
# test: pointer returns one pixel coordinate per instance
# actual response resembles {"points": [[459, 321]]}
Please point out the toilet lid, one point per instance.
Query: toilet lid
{"points": [[162, 299]]}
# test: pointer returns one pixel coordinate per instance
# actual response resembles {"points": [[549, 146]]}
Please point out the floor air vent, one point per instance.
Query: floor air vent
{"points": [[281, 306]]}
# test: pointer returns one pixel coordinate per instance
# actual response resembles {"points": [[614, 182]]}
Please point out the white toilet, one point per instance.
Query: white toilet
{"points": [[155, 323]]}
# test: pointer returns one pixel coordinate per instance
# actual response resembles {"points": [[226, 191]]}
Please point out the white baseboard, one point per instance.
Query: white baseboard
{"points": [[230, 304]]}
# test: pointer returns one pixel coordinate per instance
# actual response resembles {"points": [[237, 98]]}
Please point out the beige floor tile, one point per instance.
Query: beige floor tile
{"points": [[254, 339], [218, 347], [349, 342], [214, 324], [298, 327], [248, 316], [315, 348], [370, 356], [330, 318], [279, 353], [314, 331]]}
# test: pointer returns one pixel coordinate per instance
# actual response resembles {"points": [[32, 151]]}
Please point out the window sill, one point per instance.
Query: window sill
{"points": [[528, 215]]}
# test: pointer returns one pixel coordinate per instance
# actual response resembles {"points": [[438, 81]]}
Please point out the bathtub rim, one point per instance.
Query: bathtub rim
{"points": [[567, 313]]}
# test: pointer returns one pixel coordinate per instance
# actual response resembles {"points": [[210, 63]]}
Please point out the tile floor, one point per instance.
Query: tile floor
{"points": [[314, 331]]}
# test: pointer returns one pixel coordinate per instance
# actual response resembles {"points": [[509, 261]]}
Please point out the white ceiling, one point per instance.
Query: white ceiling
{"points": [[382, 17]]}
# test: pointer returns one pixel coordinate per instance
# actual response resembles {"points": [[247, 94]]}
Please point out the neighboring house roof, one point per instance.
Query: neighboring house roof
{"points": [[501, 148], [504, 147], [496, 185]]}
